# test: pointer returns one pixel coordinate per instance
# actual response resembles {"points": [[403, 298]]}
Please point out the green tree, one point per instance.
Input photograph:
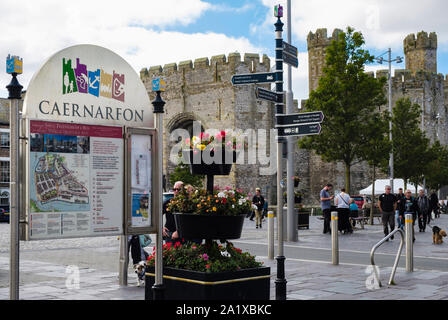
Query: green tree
{"points": [[182, 173], [376, 147], [437, 169], [348, 97], [410, 146]]}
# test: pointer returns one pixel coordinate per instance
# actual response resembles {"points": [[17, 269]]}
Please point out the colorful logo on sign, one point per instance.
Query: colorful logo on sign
{"points": [[96, 82]]}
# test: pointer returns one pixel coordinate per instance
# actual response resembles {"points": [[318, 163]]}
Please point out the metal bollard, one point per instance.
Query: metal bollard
{"points": [[409, 227], [270, 235], [334, 238]]}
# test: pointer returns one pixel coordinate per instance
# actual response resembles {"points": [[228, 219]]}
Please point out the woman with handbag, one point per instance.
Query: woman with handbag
{"points": [[342, 201]]}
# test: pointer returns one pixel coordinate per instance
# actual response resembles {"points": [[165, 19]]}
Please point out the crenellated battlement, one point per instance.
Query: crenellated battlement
{"points": [[404, 75], [233, 60], [320, 38], [423, 41]]}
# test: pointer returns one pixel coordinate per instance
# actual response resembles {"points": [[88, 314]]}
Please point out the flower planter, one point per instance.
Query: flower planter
{"points": [[303, 219], [202, 168], [248, 284], [195, 226]]}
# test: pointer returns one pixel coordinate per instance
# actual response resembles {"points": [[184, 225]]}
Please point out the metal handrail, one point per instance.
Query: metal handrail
{"points": [[397, 258]]}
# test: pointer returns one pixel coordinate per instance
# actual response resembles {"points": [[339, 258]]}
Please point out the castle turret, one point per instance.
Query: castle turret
{"points": [[317, 46], [421, 52]]}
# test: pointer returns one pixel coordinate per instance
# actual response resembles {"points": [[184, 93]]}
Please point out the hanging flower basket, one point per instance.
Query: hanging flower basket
{"points": [[205, 163]]}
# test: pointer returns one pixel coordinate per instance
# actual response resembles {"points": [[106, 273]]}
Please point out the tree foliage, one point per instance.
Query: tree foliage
{"points": [[182, 173], [437, 169], [348, 97], [411, 148]]}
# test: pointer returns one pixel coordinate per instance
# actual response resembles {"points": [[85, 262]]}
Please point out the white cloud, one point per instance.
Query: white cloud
{"points": [[131, 29], [383, 23]]}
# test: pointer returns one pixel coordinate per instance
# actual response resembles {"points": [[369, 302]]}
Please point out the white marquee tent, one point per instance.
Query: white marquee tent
{"points": [[380, 184]]}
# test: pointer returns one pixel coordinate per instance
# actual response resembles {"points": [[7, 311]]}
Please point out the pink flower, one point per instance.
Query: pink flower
{"points": [[206, 136], [228, 188], [194, 247], [205, 257], [187, 141]]}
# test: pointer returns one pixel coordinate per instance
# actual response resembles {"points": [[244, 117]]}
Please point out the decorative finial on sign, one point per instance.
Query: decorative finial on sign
{"points": [[158, 84], [278, 11], [14, 64]]}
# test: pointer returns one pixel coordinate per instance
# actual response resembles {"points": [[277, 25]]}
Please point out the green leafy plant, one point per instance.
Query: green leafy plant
{"points": [[209, 257]]}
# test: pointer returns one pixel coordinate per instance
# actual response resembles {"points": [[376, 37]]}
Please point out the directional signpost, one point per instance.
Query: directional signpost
{"points": [[267, 95], [249, 78], [290, 55], [300, 130], [284, 120]]}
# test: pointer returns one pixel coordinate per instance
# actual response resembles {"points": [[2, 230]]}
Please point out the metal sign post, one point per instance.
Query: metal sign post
{"points": [[290, 51], [158, 287], [14, 67], [280, 281]]}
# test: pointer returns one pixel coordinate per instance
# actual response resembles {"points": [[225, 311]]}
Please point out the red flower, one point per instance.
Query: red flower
{"points": [[223, 134], [177, 245], [207, 266]]}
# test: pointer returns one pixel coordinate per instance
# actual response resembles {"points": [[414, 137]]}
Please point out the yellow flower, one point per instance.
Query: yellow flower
{"points": [[214, 208], [195, 139]]}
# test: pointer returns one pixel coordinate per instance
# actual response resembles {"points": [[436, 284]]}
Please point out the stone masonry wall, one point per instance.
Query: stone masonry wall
{"points": [[203, 91]]}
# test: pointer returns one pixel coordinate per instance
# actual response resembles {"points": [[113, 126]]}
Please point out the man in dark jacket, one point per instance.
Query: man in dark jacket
{"points": [[423, 206], [258, 200], [169, 230], [408, 205], [433, 206], [387, 203]]}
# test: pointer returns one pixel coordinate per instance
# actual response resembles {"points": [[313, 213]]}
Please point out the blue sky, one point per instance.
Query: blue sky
{"points": [[149, 32]]}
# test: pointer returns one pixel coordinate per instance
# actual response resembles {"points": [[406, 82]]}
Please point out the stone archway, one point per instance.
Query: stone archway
{"points": [[179, 121]]}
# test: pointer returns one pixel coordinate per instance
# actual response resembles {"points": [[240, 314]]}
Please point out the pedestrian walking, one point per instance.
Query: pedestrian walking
{"points": [[325, 204], [408, 205], [387, 204], [434, 206], [400, 196], [258, 201], [423, 206], [342, 202]]}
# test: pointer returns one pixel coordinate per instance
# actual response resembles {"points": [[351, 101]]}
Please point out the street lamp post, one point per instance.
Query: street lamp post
{"points": [[14, 67], [389, 60]]}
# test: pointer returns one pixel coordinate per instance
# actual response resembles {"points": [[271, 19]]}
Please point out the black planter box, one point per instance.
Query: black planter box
{"points": [[223, 168], [195, 226], [303, 219], [249, 284]]}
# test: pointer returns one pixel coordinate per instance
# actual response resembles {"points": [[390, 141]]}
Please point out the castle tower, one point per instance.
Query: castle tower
{"points": [[317, 46], [421, 52]]}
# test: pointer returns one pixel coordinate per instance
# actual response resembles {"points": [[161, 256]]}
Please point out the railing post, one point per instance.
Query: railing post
{"points": [[334, 238], [409, 226], [270, 235]]}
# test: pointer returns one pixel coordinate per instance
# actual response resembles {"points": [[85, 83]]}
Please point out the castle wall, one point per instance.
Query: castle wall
{"points": [[203, 91]]}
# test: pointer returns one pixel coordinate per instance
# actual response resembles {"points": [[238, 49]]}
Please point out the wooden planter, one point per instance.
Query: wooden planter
{"points": [[248, 284], [195, 226]]}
